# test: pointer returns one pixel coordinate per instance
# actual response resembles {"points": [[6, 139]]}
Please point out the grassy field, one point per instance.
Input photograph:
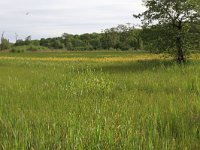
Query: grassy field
{"points": [[98, 100]]}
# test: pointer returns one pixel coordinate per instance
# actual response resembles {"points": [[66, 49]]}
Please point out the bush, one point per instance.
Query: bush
{"points": [[4, 44], [35, 48], [30, 48], [18, 49], [84, 48]]}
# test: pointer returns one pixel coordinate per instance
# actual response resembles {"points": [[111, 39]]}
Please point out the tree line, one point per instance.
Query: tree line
{"points": [[122, 37], [155, 39]]}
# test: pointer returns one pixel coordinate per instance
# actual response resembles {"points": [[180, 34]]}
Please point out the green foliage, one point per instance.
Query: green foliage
{"points": [[4, 44], [27, 48], [19, 43], [174, 17], [121, 37], [156, 39], [160, 38], [169, 12], [27, 40], [196, 3], [19, 49], [58, 45]]}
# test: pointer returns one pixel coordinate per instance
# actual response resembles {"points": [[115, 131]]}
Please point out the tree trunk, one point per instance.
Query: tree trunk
{"points": [[180, 55], [179, 44]]}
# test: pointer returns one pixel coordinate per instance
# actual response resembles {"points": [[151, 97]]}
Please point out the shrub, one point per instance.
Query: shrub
{"points": [[4, 44], [30, 48]]}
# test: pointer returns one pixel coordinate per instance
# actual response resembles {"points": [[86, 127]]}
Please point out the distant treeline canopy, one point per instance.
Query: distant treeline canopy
{"points": [[122, 37]]}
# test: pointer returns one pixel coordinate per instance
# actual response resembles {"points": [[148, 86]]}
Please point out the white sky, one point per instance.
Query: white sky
{"points": [[49, 18]]}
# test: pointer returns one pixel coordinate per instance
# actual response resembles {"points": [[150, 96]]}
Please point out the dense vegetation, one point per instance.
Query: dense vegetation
{"points": [[149, 104], [123, 37]]}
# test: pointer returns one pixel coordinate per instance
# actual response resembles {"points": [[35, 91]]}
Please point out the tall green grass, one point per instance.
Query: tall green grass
{"points": [[82, 105]]}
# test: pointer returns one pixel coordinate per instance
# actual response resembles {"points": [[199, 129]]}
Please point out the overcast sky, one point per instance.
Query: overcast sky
{"points": [[50, 18]]}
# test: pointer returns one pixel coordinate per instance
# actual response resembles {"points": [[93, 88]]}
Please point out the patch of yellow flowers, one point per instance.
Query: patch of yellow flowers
{"points": [[103, 59]]}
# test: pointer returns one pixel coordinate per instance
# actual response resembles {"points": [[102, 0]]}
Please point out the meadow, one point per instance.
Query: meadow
{"points": [[98, 100]]}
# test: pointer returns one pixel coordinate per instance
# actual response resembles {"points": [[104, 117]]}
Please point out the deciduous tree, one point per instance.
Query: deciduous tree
{"points": [[177, 14]]}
